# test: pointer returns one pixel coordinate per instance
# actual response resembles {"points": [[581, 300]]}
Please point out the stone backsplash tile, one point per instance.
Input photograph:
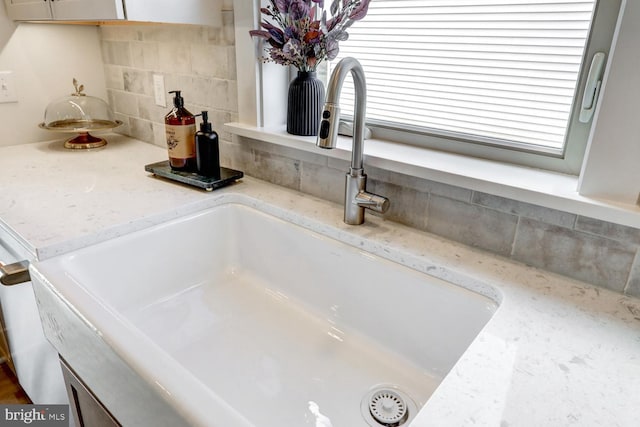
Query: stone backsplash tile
{"points": [[174, 58], [145, 55], [139, 82], [124, 103], [408, 206], [321, 181], [432, 187], [339, 164], [114, 78], [608, 230], [198, 60], [279, 150], [116, 53], [537, 236], [597, 260], [124, 128], [276, 169], [527, 210], [226, 34], [141, 129], [219, 118], [241, 157], [448, 191], [233, 72], [159, 135], [118, 32], [633, 284], [210, 60], [473, 225], [178, 34], [148, 110]]}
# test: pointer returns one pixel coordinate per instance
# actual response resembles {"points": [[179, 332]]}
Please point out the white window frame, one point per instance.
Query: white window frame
{"points": [[262, 105], [568, 159]]}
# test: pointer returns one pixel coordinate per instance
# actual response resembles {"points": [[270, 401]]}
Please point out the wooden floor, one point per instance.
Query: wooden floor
{"points": [[10, 390]]}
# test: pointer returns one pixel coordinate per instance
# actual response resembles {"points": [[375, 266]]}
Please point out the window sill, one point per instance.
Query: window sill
{"points": [[539, 187]]}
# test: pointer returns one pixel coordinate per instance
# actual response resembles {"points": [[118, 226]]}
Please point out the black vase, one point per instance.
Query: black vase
{"points": [[306, 97]]}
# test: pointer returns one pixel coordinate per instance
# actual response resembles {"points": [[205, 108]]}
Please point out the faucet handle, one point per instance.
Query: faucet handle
{"points": [[372, 201]]}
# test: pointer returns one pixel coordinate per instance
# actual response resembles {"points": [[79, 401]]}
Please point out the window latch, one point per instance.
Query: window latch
{"points": [[592, 88]]}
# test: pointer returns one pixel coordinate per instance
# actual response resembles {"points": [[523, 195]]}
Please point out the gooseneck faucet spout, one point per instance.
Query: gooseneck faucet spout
{"points": [[356, 196]]}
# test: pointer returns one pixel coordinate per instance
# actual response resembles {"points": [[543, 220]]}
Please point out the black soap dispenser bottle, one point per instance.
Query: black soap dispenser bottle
{"points": [[207, 149]]}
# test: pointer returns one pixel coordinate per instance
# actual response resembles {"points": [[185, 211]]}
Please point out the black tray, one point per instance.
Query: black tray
{"points": [[227, 176]]}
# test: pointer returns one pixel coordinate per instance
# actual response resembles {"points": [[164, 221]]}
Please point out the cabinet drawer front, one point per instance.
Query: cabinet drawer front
{"points": [[20, 10]]}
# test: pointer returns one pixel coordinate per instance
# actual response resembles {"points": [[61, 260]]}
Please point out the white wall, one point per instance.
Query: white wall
{"points": [[45, 58]]}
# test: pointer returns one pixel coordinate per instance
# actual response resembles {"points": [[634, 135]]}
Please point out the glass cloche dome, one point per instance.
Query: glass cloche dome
{"points": [[80, 113]]}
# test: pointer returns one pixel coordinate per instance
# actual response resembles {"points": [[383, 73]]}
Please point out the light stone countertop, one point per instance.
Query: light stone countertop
{"points": [[556, 353]]}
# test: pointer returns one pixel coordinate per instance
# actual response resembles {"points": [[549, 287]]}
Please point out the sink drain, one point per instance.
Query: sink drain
{"points": [[388, 408], [386, 405]]}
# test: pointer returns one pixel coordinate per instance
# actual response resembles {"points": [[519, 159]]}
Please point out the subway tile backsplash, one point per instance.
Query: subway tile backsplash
{"points": [[587, 249], [597, 260], [200, 61]]}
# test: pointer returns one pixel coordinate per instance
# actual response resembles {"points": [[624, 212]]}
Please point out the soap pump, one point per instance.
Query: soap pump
{"points": [[207, 149], [180, 127]]}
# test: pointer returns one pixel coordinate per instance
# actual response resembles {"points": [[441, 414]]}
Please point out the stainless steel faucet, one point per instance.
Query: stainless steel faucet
{"points": [[356, 197]]}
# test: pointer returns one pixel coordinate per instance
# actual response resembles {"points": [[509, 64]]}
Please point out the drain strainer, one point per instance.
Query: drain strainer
{"points": [[387, 406]]}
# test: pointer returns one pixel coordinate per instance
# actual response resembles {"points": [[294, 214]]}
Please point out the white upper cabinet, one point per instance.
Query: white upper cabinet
{"points": [[20, 10], [75, 10], [201, 12]]}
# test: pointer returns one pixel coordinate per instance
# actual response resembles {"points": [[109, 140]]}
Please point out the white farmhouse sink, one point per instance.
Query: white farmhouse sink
{"points": [[236, 317]]}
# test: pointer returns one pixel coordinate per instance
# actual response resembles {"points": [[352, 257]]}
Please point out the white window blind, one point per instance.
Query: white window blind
{"points": [[495, 71]]}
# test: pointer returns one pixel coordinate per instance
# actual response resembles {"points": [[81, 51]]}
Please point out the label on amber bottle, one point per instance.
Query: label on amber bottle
{"points": [[181, 141]]}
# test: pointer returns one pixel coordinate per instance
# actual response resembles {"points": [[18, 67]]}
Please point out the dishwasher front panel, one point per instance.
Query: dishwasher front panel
{"points": [[34, 358]]}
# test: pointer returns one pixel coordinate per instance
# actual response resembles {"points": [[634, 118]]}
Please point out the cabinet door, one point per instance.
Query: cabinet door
{"points": [[201, 12], [21, 10], [86, 408], [73, 10]]}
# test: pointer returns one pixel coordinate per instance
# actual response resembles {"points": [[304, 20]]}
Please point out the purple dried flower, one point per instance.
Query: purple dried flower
{"points": [[260, 33], [278, 57], [277, 36], [282, 5], [298, 10], [333, 22], [292, 49], [332, 49], [360, 11], [313, 37], [340, 36], [296, 38], [291, 33]]}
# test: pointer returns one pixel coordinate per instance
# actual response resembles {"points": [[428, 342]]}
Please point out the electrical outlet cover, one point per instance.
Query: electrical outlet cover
{"points": [[7, 87], [159, 91]]}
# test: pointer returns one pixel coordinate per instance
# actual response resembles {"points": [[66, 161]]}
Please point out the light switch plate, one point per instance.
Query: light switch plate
{"points": [[158, 90], [7, 87]]}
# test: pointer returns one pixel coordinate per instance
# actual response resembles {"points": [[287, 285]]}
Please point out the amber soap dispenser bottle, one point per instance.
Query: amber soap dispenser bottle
{"points": [[180, 127]]}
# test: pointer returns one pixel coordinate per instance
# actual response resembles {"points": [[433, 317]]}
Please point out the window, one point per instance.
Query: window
{"points": [[505, 76]]}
